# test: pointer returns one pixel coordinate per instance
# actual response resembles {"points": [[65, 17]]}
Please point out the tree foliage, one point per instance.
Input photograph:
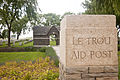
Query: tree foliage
{"points": [[67, 13], [103, 7], [19, 26], [11, 10], [51, 19], [5, 33]]}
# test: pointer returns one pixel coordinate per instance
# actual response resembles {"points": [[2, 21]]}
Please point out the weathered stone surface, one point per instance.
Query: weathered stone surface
{"points": [[74, 70], [89, 79], [90, 21], [107, 78], [88, 47], [96, 69], [73, 77], [111, 69], [100, 75], [88, 40]]}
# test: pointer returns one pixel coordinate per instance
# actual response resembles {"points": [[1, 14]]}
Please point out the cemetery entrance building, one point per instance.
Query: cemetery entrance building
{"points": [[42, 35]]}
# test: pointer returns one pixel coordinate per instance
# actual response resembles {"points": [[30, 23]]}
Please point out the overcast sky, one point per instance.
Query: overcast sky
{"points": [[61, 6], [58, 7]]}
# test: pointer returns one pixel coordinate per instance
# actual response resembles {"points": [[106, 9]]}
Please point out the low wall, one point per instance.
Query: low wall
{"points": [[12, 50]]}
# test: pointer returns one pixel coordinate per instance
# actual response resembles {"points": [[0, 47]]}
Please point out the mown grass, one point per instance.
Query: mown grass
{"points": [[28, 44], [24, 45], [26, 56], [3, 45], [19, 56], [17, 44], [53, 43]]}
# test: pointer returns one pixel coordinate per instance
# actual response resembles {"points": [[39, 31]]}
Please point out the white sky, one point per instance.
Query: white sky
{"points": [[58, 7], [61, 6]]}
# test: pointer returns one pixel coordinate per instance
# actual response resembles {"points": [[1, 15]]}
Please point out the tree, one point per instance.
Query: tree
{"points": [[39, 20], [103, 7], [51, 19], [90, 5], [1, 36], [67, 13], [4, 33], [19, 26], [11, 10]]}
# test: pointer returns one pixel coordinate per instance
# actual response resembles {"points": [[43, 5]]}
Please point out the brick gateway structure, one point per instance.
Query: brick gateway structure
{"points": [[41, 35]]}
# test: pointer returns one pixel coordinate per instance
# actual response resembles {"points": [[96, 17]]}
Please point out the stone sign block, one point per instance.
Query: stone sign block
{"points": [[88, 41]]}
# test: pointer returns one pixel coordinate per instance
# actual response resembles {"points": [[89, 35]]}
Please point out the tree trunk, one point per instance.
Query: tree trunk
{"points": [[18, 36], [9, 30]]}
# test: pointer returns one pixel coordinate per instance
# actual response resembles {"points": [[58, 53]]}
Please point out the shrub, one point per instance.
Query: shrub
{"points": [[27, 77], [30, 49], [41, 69], [42, 49]]}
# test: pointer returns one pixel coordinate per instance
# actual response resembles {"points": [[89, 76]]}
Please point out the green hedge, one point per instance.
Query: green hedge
{"points": [[33, 49]]}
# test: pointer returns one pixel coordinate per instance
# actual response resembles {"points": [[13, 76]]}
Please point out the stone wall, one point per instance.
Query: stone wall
{"points": [[88, 73]]}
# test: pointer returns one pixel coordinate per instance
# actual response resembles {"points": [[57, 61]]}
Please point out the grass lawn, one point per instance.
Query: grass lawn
{"points": [[3, 45], [26, 56], [17, 44], [53, 43], [24, 45], [19, 56], [28, 44]]}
